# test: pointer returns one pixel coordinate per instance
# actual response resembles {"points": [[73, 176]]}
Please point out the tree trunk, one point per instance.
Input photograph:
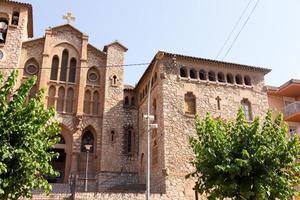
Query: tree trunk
{"points": [[253, 198]]}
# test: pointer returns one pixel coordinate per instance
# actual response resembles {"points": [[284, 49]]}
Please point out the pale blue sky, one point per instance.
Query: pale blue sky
{"points": [[193, 27]]}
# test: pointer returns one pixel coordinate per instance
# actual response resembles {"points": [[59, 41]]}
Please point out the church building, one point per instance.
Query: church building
{"points": [[102, 118]]}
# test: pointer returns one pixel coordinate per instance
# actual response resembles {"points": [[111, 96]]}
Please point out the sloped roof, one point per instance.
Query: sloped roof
{"points": [[116, 42]]}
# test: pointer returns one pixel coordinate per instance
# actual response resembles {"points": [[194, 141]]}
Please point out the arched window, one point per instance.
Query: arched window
{"points": [[247, 109], [183, 72], [31, 67], [112, 136], [64, 65], [15, 18], [126, 101], [54, 68], [211, 76], [154, 152], [51, 96], [87, 102], [221, 77], [155, 77], [62, 139], [247, 80], [238, 79], [132, 101], [72, 72], [229, 78], [60, 99], [3, 29], [93, 77], [189, 103], [70, 100], [130, 141], [33, 91], [114, 80], [202, 74], [154, 108], [87, 139], [193, 74], [95, 103]]}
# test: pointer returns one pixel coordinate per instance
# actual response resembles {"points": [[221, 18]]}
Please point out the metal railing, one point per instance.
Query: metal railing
{"points": [[292, 108]]}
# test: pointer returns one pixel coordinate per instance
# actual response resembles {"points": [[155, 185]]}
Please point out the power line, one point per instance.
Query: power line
{"points": [[235, 39], [125, 65], [233, 29]]}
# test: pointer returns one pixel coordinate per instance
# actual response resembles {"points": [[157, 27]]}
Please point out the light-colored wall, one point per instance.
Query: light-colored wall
{"points": [[15, 36]]}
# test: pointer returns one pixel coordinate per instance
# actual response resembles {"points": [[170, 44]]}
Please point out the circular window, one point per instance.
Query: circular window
{"points": [[1, 55], [31, 69], [93, 76]]}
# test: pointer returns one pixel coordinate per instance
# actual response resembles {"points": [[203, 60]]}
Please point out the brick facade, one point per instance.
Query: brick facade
{"points": [[95, 107]]}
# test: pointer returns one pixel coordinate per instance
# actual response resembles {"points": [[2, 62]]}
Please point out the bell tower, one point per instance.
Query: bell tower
{"points": [[15, 27]]}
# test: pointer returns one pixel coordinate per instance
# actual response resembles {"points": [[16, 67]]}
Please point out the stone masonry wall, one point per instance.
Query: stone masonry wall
{"points": [[15, 36], [178, 126]]}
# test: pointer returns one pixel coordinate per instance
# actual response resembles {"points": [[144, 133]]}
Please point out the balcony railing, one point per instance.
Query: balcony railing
{"points": [[292, 108]]}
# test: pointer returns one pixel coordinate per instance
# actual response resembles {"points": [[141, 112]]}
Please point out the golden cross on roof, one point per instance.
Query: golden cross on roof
{"points": [[68, 17]]}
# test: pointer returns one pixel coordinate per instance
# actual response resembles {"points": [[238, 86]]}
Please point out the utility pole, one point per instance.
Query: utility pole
{"points": [[150, 126]]}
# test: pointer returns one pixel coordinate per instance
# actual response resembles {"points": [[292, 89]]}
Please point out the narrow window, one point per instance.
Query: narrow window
{"points": [[54, 68], [154, 108], [247, 80], [238, 79], [87, 101], [72, 71], [95, 103], [112, 136], [51, 96], [64, 65], [154, 153], [211, 76], [183, 72], [70, 100], [221, 77], [190, 103], [247, 109], [129, 142], [132, 101], [202, 75], [229, 78], [218, 102], [114, 81], [126, 101], [15, 18], [60, 100], [193, 74], [87, 139], [33, 91], [3, 30], [155, 77]]}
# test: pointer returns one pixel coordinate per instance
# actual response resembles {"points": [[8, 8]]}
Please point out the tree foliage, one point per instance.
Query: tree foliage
{"points": [[27, 132], [242, 160]]}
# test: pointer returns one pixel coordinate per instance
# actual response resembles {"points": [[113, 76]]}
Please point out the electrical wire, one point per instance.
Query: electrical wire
{"points": [[125, 65], [245, 23], [233, 29]]}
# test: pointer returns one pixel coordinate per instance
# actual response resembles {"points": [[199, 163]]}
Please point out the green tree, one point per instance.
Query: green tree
{"points": [[27, 133], [242, 160]]}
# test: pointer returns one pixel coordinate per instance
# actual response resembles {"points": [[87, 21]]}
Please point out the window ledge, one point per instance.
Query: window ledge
{"points": [[2, 45], [189, 115], [12, 26]]}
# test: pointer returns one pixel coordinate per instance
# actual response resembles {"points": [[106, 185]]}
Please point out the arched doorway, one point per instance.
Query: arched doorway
{"points": [[59, 163], [87, 138], [62, 163]]}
